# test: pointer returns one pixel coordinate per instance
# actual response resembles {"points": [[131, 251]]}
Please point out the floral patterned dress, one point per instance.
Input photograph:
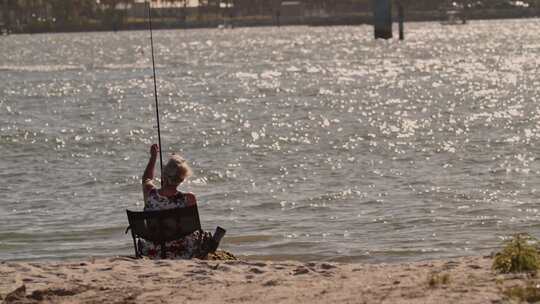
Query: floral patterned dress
{"points": [[194, 245]]}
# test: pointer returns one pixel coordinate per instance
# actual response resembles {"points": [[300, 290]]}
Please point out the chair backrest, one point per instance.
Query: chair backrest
{"points": [[164, 226]]}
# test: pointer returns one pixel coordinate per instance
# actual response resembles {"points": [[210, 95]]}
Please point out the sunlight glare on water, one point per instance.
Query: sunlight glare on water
{"points": [[306, 143]]}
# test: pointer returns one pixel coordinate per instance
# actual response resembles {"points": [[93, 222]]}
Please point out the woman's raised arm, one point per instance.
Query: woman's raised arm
{"points": [[148, 175]]}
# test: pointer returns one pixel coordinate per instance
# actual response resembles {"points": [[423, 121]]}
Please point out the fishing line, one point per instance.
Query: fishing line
{"points": [[155, 86]]}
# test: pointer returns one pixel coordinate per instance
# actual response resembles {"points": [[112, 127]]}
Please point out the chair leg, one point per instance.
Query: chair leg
{"points": [[137, 254]]}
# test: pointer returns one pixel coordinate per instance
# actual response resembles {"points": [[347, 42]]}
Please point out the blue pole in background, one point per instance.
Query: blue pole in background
{"points": [[401, 20], [382, 18]]}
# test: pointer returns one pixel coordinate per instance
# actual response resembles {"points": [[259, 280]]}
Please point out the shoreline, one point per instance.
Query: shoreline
{"points": [[356, 19], [126, 280]]}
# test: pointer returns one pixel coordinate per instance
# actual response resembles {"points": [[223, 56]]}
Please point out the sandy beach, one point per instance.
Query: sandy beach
{"points": [[125, 280]]}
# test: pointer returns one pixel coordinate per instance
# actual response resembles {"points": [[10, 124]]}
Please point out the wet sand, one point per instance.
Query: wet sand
{"points": [[126, 280]]}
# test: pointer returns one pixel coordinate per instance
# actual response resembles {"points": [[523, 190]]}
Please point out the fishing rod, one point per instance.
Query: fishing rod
{"points": [[155, 86]]}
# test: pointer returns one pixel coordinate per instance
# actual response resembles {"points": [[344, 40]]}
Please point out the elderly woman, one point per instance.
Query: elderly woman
{"points": [[168, 197]]}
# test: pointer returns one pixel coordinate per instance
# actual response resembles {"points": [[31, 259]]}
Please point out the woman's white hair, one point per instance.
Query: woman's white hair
{"points": [[176, 170]]}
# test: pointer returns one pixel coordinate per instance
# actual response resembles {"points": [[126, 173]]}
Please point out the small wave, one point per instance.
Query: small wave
{"points": [[336, 196], [59, 235], [40, 68], [236, 240], [126, 66], [244, 75], [285, 257]]}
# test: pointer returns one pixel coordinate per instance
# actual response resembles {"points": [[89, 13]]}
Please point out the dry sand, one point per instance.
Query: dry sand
{"points": [[125, 280]]}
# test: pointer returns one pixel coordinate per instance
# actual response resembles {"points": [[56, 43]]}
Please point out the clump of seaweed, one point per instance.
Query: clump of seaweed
{"points": [[520, 254], [221, 255], [438, 279], [529, 293]]}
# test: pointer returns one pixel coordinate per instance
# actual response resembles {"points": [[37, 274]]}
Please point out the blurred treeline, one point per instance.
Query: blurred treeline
{"points": [[55, 14]]}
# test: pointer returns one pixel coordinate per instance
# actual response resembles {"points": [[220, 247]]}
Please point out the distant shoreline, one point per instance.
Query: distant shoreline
{"points": [[265, 21]]}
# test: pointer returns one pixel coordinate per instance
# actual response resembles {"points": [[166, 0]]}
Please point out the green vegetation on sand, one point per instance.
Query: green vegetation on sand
{"points": [[520, 254]]}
